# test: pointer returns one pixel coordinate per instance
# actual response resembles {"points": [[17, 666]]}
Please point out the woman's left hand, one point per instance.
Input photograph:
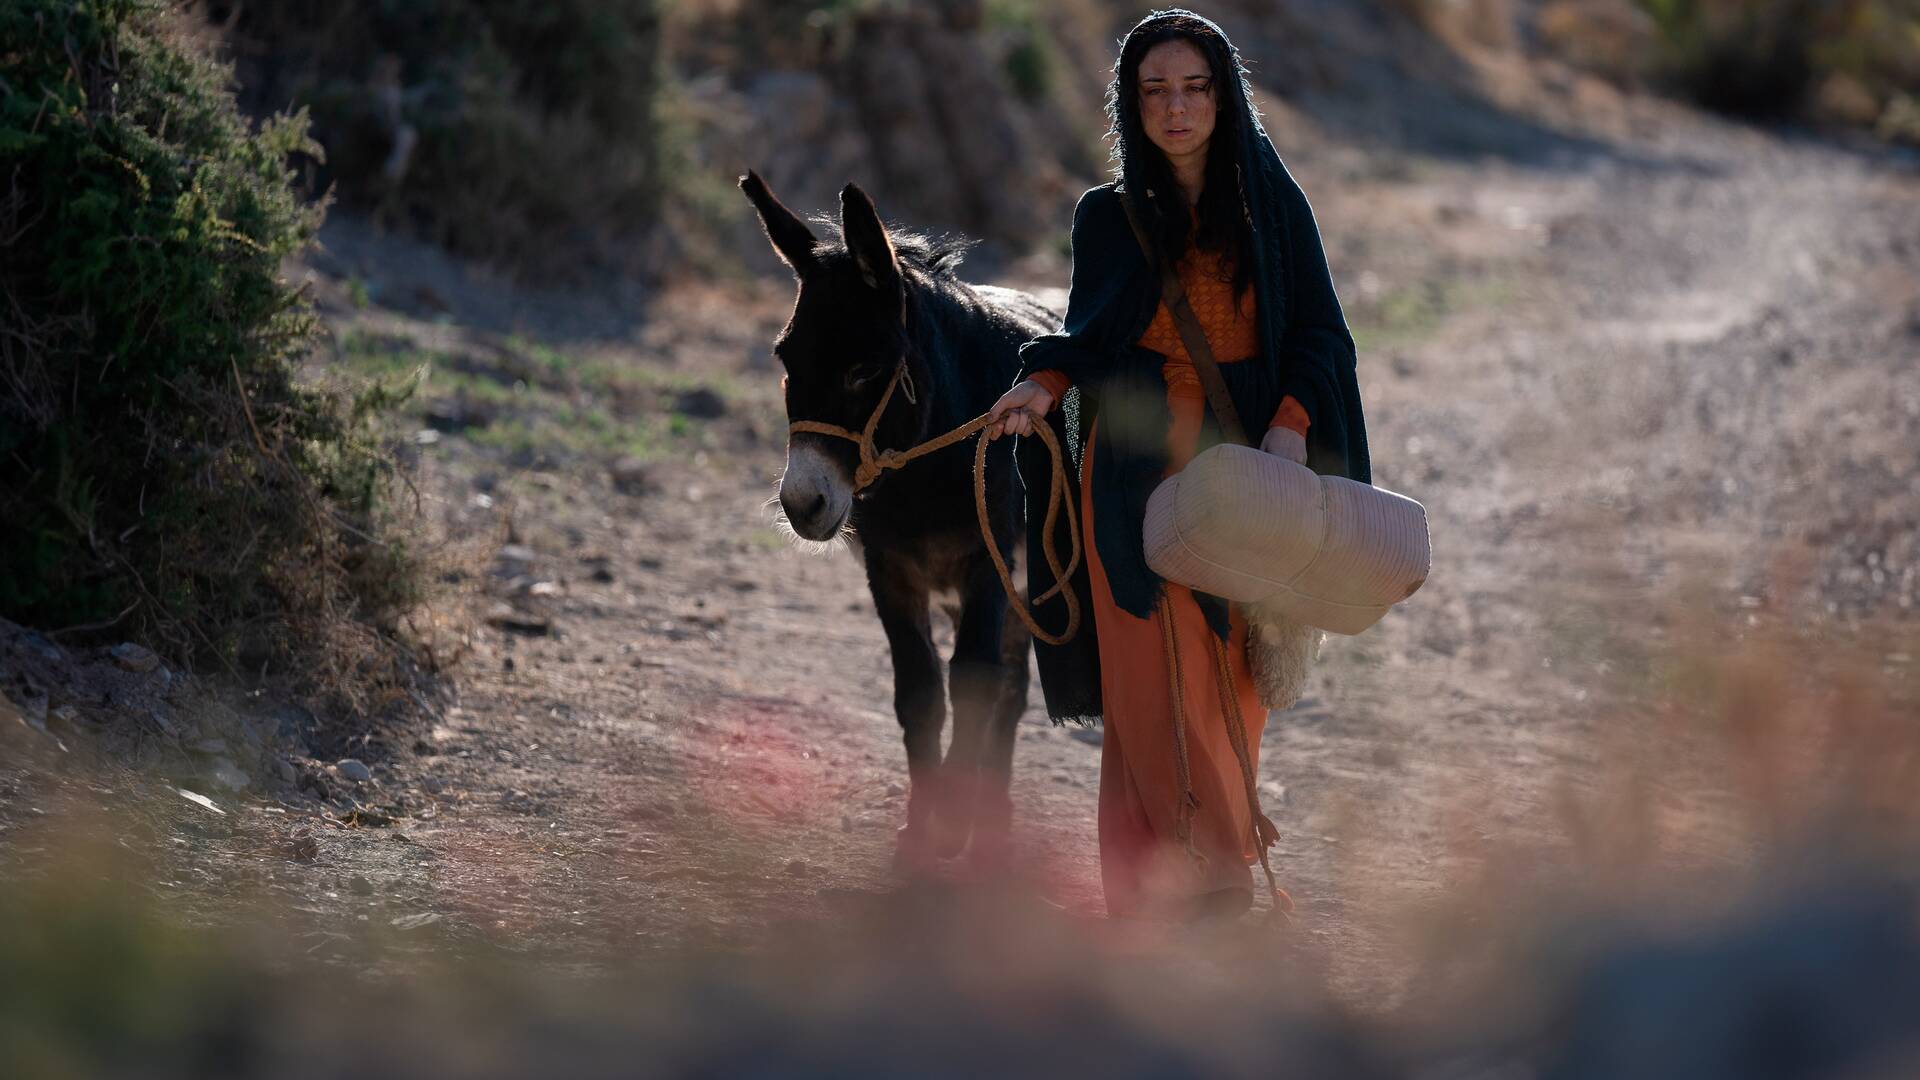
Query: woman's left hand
{"points": [[1285, 442]]}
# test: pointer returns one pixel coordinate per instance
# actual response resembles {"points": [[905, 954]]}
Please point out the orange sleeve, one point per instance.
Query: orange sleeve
{"points": [[1053, 381], [1291, 414]]}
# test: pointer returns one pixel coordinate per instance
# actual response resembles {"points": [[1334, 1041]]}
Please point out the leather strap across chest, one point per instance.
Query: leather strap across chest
{"points": [[1174, 292]]}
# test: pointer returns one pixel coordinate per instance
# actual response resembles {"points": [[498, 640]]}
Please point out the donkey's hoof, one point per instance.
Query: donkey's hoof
{"points": [[913, 850], [951, 830]]}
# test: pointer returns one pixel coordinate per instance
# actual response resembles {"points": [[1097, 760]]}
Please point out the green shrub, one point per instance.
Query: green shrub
{"points": [[142, 226], [519, 132], [1765, 58], [1746, 57]]}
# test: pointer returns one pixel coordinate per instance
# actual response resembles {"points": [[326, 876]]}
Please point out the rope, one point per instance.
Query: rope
{"points": [[1265, 832], [1183, 768], [874, 461]]}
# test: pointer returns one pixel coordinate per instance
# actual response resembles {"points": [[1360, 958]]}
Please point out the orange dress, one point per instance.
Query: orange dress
{"points": [[1144, 868]]}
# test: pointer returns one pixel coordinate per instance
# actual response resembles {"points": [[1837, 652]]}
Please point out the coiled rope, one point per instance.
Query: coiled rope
{"points": [[874, 461]]}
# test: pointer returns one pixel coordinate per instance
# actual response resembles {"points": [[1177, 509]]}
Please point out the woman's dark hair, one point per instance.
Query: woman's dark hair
{"points": [[1141, 165]]}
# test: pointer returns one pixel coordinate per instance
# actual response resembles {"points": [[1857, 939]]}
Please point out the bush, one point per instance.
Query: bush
{"points": [[162, 475], [520, 132], [1745, 57]]}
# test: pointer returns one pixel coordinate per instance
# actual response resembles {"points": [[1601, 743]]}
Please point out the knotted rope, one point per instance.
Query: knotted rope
{"points": [[1265, 832], [874, 461], [1183, 768]]}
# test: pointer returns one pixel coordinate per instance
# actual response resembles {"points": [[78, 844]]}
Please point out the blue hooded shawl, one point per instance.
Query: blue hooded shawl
{"points": [[1305, 350]]}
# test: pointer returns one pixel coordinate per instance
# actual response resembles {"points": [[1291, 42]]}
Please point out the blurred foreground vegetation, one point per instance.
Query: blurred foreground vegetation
{"points": [[1737, 900]]}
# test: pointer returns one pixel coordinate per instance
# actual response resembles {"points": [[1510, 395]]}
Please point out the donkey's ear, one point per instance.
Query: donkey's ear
{"points": [[867, 240], [790, 236]]}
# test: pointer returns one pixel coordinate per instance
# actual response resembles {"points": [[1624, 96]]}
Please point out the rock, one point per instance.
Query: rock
{"points": [[315, 781], [135, 658], [302, 846], [513, 560], [796, 867], [894, 790], [454, 417], [224, 773], [359, 885], [701, 403], [42, 647], [284, 771], [354, 770], [631, 476], [199, 800], [504, 616]]}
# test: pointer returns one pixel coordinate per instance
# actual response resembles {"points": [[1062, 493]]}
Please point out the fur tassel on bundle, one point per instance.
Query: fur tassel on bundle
{"points": [[1281, 653]]}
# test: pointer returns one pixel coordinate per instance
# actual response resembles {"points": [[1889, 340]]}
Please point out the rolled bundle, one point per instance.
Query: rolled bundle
{"points": [[1254, 527]]}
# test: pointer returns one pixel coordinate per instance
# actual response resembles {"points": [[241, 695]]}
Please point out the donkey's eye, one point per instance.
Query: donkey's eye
{"points": [[864, 373]]}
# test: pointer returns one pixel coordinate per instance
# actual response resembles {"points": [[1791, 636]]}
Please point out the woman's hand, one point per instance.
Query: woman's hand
{"points": [[1285, 442], [1018, 410]]}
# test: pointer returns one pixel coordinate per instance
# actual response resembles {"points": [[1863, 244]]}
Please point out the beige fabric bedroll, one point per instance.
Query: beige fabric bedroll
{"points": [[1257, 528]]}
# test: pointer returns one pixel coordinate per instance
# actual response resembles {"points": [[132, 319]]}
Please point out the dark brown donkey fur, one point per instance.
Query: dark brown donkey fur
{"points": [[869, 296]]}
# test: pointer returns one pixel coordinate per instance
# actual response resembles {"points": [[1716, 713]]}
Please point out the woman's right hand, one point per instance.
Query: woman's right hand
{"points": [[1018, 410]]}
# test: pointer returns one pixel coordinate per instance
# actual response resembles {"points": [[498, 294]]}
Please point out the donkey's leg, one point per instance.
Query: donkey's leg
{"points": [[993, 821], [900, 598], [976, 680]]}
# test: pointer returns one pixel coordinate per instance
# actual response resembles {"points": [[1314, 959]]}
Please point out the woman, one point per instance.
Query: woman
{"points": [[1178, 831]]}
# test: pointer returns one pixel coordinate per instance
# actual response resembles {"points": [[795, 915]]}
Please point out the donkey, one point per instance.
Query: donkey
{"points": [[871, 300]]}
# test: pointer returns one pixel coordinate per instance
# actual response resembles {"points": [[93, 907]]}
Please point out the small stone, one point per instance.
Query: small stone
{"points": [[360, 886], [46, 649], [504, 616], [199, 800], [631, 476], [894, 790], [302, 846], [354, 770], [226, 774], [797, 867], [135, 658], [701, 403]]}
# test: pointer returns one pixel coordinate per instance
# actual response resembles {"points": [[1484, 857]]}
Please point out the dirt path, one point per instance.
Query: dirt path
{"points": [[1619, 380]]}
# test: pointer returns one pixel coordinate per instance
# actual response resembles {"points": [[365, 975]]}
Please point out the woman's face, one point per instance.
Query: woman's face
{"points": [[1176, 98]]}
